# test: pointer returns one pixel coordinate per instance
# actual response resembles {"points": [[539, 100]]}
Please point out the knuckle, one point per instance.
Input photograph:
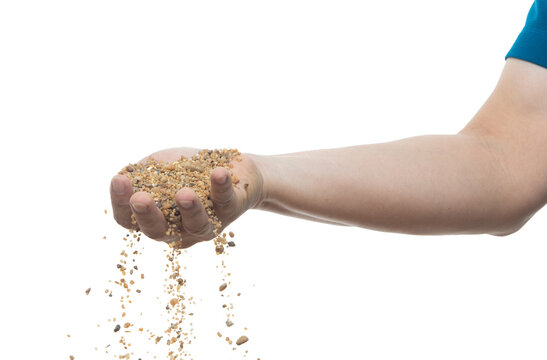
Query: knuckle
{"points": [[120, 202], [194, 212], [202, 231], [222, 201]]}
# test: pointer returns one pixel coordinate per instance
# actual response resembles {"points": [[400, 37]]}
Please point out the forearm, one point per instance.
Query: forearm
{"points": [[421, 185]]}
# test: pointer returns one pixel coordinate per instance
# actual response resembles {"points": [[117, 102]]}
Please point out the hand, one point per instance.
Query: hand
{"points": [[229, 202]]}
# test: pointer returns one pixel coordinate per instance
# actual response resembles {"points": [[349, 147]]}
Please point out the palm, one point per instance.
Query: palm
{"points": [[245, 171], [229, 201]]}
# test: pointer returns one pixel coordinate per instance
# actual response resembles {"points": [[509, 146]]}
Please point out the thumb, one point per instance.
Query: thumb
{"points": [[222, 192]]}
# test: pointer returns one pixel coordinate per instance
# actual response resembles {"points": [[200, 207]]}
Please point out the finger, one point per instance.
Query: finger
{"points": [[194, 218], [222, 192], [120, 193], [150, 219]]}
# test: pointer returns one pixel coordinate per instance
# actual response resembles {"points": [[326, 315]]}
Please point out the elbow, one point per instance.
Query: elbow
{"points": [[514, 219], [512, 226], [507, 229], [515, 185]]}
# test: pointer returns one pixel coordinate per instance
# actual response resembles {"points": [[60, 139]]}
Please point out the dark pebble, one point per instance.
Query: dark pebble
{"points": [[231, 243], [117, 328]]}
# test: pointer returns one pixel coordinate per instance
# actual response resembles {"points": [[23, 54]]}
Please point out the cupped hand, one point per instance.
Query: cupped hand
{"points": [[229, 201]]}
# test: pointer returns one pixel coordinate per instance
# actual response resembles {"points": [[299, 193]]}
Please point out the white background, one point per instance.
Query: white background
{"points": [[87, 87]]}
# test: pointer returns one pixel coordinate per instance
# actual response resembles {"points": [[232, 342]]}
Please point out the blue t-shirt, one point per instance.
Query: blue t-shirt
{"points": [[531, 44]]}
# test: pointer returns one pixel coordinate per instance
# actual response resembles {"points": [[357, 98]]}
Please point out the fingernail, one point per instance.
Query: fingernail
{"points": [[186, 204], [118, 187], [223, 180], [138, 208]]}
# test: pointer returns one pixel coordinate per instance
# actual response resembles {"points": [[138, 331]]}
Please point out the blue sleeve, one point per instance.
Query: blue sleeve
{"points": [[531, 44]]}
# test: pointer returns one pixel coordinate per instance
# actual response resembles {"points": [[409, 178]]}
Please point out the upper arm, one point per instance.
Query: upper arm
{"points": [[512, 125]]}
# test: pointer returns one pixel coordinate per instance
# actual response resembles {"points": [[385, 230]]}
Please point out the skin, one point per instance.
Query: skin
{"points": [[489, 178], [229, 202]]}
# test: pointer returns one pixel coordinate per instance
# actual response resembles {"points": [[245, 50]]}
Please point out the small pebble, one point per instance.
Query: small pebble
{"points": [[242, 340]]}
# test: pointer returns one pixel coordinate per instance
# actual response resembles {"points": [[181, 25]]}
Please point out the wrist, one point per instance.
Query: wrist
{"points": [[262, 165]]}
